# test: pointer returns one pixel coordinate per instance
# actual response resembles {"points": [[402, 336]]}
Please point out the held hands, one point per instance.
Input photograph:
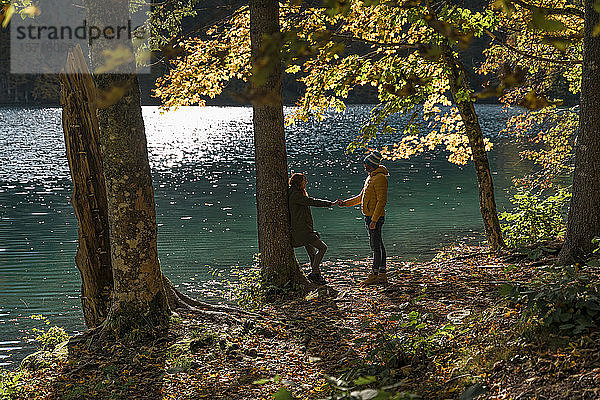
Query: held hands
{"points": [[373, 225], [338, 202]]}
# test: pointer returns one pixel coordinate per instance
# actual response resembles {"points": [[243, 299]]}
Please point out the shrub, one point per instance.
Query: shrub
{"points": [[536, 217], [11, 383], [566, 300], [47, 339], [246, 286], [407, 339]]}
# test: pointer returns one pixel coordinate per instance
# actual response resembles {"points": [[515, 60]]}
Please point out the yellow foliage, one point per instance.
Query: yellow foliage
{"points": [[318, 55]]}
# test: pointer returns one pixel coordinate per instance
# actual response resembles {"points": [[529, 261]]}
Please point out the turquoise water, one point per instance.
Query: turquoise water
{"points": [[203, 168]]}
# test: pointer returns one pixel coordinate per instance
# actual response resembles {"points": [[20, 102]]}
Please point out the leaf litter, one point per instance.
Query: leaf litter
{"points": [[439, 329]]}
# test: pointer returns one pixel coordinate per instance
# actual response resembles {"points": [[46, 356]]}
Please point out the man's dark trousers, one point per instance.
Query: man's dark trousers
{"points": [[377, 245]]}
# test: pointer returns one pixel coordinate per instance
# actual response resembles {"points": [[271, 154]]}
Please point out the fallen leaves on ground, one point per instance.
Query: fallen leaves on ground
{"points": [[438, 329]]}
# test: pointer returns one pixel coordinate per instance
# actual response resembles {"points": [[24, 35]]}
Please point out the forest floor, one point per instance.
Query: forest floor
{"points": [[439, 330]]}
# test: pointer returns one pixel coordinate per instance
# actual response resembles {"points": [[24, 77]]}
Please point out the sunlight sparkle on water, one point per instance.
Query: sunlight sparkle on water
{"points": [[193, 133]]}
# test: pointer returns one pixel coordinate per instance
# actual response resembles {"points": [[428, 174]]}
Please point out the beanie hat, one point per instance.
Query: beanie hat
{"points": [[373, 159]]}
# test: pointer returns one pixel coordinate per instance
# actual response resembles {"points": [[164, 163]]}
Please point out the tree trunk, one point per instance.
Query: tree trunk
{"points": [[278, 262], [138, 298], [487, 203], [583, 222], [80, 127]]}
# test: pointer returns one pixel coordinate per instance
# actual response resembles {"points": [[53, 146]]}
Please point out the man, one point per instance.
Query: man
{"points": [[372, 199]]}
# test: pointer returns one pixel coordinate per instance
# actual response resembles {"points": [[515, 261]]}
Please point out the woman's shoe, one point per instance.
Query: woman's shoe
{"points": [[316, 278]]}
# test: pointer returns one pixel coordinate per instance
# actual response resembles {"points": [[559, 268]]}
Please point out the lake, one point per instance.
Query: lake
{"points": [[203, 169]]}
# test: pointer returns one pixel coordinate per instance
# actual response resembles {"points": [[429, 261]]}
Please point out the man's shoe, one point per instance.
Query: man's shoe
{"points": [[371, 280], [316, 278], [382, 278]]}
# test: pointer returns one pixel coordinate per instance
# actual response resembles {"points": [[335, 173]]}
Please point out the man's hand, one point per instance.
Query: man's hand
{"points": [[373, 225]]}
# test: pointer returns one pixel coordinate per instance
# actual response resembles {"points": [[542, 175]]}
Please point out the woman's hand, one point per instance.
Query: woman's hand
{"points": [[339, 202], [373, 225]]}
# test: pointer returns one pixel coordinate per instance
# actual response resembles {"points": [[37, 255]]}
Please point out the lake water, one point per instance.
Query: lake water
{"points": [[203, 168]]}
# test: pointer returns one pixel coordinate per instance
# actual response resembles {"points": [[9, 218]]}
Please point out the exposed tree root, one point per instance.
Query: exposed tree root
{"points": [[178, 300], [183, 303], [219, 313]]}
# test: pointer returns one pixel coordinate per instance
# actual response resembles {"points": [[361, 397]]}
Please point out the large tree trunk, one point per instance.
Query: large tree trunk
{"points": [[487, 203], [138, 298], [278, 262], [80, 127], [583, 222]]}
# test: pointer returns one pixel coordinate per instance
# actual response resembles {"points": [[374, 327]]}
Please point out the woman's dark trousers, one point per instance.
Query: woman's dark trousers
{"points": [[377, 245], [316, 250]]}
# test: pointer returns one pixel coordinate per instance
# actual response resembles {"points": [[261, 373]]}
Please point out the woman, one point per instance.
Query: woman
{"points": [[301, 222]]}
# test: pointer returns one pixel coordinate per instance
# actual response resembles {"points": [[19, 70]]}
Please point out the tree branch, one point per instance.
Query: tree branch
{"points": [[531, 56], [376, 43], [576, 12]]}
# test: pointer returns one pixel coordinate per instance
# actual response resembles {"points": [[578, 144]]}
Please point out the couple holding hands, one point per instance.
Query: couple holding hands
{"points": [[372, 200]]}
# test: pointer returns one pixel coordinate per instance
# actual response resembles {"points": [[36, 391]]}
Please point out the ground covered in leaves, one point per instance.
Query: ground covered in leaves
{"points": [[437, 330]]}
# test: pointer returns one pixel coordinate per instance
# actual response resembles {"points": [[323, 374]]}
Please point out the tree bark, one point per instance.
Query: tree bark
{"points": [[138, 298], [583, 222], [278, 262], [80, 127], [487, 203]]}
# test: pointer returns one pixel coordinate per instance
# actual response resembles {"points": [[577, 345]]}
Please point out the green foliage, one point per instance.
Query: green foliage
{"points": [[175, 318], [565, 299], [179, 355], [11, 383], [165, 23], [75, 392], [392, 347], [472, 392], [182, 363], [542, 22], [246, 286], [341, 389], [552, 146], [283, 394], [536, 36], [595, 262], [47, 339], [536, 217], [201, 334], [420, 341], [275, 379]]}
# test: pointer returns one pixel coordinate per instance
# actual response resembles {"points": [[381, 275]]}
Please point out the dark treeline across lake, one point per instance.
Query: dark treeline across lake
{"points": [[203, 167]]}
